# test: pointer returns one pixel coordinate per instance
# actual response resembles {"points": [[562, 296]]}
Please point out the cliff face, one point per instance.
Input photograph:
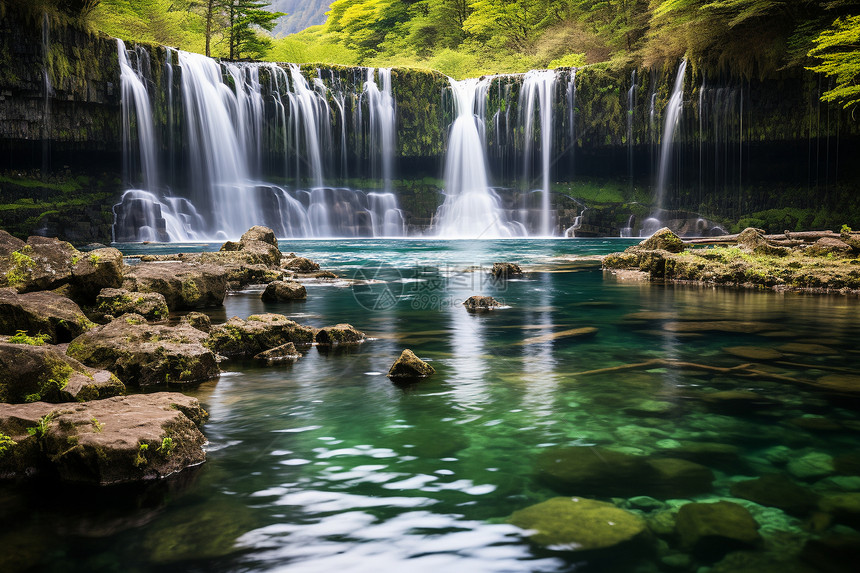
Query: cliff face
{"points": [[742, 146]]}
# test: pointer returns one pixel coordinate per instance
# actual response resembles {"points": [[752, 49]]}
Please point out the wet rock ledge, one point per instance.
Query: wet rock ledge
{"points": [[80, 330], [814, 262]]}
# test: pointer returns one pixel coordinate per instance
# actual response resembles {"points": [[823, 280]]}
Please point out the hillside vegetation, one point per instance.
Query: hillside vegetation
{"points": [[463, 38]]}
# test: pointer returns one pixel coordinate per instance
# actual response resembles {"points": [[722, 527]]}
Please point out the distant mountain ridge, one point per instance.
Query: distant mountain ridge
{"points": [[301, 14]]}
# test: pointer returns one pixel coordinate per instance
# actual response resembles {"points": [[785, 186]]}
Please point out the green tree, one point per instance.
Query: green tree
{"points": [[838, 49], [245, 19]]}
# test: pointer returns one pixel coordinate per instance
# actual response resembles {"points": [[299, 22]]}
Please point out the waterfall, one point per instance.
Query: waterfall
{"points": [[470, 209], [631, 106], [383, 127], [231, 120], [673, 116], [571, 117], [539, 89]]}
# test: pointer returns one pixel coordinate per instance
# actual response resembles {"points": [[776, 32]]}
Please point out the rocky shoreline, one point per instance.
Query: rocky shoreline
{"points": [[78, 330], [815, 263]]}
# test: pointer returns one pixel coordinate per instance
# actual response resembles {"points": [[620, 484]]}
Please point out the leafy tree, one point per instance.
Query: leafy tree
{"points": [[245, 18], [838, 49]]}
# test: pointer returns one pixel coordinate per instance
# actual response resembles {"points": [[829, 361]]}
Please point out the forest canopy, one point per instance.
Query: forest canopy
{"points": [[742, 38]]}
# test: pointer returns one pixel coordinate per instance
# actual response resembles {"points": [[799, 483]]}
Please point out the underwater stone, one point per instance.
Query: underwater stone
{"points": [[578, 524], [677, 478], [837, 484], [645, 503], [775, 490], [840, 383], [753, 352], [812, 465], [845, 507], [409, 366], [593, 471], [712, 529]]}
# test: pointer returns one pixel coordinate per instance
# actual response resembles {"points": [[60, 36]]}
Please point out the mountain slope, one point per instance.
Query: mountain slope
{"points": [[301, 14]]}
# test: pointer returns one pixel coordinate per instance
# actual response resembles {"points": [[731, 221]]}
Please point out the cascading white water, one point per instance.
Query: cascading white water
{"points": [[382, 125], [471, 209], [227, 132], [673, 116], [539, 89]]}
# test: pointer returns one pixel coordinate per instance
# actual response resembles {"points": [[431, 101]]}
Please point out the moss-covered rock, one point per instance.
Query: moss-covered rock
{"points": [[505, 270], [593, 471], [43, 373], [198, 320], [339, 334], [144, 354], [115, 440], [239, 338], [299, 264], [278, 291], [578, 524], [96, 270], [183, 285], [409, 367], [280, 354], [41, 313], [776, 490], [479, 303], [116, 302], [665, 240]]}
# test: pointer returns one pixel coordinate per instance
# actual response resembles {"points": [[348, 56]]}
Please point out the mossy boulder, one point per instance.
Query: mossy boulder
{"points": [[673, 478], [278, 291], [116, 302], [185, 286], [505, 270], [94, 271], [339, 334], [198, 320], [259, 242], [239, 338], [713, 529], [409, 367], [663, 240], [260, 234], [299, 265], [844, 507], [280, 354], [579, 524], [477, 303], [116, 440], [31, 373], [777, 490], [45, 313], [40, 264], [144, 354], [829, 246]]}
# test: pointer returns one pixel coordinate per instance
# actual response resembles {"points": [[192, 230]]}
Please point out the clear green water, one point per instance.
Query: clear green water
{"points": [[325, 465]]}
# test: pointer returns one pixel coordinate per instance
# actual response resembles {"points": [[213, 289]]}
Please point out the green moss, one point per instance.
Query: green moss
{"points": [[21, 337], [166, 447], [97, 426], [22, 266], [94, 258], [6, 444], [140, 456], [42, 427], [190, 292]]}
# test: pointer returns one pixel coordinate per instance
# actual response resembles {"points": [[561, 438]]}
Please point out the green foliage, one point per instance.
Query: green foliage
{"points": [[6, 443], [140, 455], [568, 61], [21, 337], [166, 447], [42, 427], [166, 22], [838, 49], [22, 265], [97, 426]]}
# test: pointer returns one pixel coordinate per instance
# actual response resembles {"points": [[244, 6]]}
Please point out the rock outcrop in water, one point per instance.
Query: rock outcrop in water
{"points": [[409, 367], [144, 354], [31, 373], [278, 291], [116, 302], [479, 303], [338, 335], [790, 262], [239, 338], [116, 440]]}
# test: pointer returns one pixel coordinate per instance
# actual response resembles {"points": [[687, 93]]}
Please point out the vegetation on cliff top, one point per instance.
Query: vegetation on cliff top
{"points": [[748, 38]]}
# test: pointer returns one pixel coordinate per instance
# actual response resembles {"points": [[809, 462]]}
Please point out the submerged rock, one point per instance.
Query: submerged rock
{"points": [[481, 303], [505, 270], [41, 313], [839, 383], [844, 507], [115, 440], [116, 302], [339, 334], [712, 529], [43, 373], [578, 524], [812, 466], [664, 240], [284, 290], [183, 285], [584, 332], [592, 471], [672, 478], [147, 354], [754, 352], [775, 490], [409, 366], [283, 353], [246, 338]]}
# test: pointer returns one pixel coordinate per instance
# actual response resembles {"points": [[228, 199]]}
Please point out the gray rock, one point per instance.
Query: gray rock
{"points": [[41, 313], [284, 290], [184, 286], [246, 338], [116, 302]]}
